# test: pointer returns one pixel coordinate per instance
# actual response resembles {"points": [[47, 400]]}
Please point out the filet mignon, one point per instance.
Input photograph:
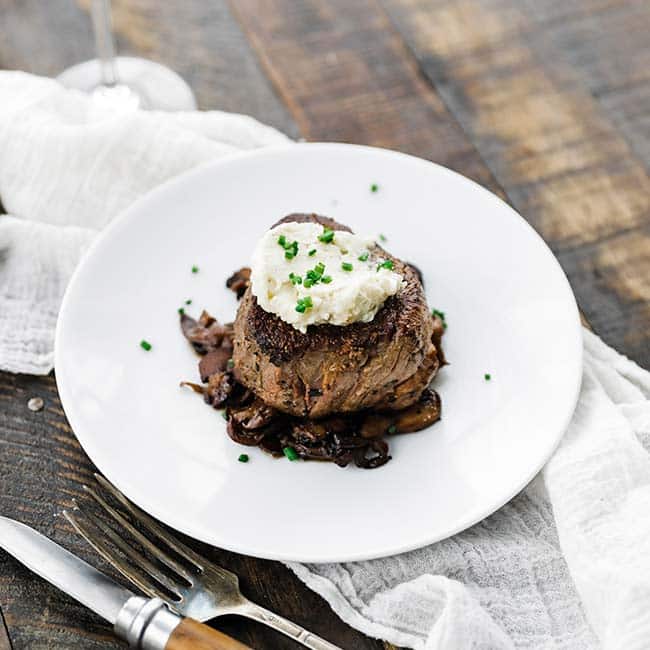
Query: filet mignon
{"points": [[384, 364]]}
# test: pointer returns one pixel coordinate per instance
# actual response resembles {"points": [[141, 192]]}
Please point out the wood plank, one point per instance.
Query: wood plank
{"points": [[540, 96], [345, 75], [199, 40]]}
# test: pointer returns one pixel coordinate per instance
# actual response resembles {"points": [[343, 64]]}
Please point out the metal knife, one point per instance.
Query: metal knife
{"points": [[147, 624]]}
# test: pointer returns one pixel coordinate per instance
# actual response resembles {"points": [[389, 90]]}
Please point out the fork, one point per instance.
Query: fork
{"points": [[202, 591]]}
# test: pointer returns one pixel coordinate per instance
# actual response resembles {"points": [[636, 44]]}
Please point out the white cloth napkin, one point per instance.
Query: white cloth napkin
{"points": [[566, 564]]}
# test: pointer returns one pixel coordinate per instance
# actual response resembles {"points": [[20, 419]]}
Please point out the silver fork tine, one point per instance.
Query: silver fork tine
{"points": [[113, 558], [154, 527], [146, 543], [131, 553]]}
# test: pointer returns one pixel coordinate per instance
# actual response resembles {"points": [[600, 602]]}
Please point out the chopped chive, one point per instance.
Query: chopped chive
{"points": [[181, 311], [145, 345], [326, 279], [290, 250], [386, 264], [290, 453], [195, 269], [243, 458], [230, 364], [312, 252], [392, 428], [363, 257], [315, 275], [346, 266], [327, 237], [382, 238], [295, 279], [487, 376], [303, 304], [188, 301], [374, 187]]}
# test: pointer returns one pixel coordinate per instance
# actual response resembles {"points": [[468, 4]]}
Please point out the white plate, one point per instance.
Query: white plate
{"points": [[510, 310]]}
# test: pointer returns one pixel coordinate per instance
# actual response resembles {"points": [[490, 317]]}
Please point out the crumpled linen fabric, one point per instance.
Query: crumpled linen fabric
{"points": [[565, 564], [68, 166]]}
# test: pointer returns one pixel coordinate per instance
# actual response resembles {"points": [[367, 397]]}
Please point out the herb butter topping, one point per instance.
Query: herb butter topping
{"points": [[310, 275]]}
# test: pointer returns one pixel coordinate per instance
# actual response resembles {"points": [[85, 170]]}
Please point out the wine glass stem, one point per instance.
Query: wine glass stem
{"points": [[104, 42]]}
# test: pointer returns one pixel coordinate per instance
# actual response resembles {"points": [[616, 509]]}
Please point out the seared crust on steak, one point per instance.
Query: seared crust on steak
{"points": [[384, 364]]}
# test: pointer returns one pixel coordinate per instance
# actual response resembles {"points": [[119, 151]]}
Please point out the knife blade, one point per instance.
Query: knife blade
{"points": [[145, 623], [63, 569]]}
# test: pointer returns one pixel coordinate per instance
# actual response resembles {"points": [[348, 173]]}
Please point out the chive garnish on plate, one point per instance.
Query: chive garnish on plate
{"points": [[145, 345], [290, 453], [487, 376], [243, 458], [195, 269], [312, 252], [374, 187], [363, 257], [346, 266]]}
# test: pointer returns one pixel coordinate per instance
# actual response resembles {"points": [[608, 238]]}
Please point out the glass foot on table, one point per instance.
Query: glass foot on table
{"points": [[141, 84]]}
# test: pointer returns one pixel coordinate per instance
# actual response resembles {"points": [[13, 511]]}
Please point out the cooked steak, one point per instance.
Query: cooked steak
{"points": [[385, 364]]}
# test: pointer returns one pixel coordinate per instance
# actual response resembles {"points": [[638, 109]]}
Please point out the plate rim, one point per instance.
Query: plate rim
{"points": [[472, 518]]}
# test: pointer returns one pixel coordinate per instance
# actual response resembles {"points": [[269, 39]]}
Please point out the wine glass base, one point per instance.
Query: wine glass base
{"points": [[153, 86]]}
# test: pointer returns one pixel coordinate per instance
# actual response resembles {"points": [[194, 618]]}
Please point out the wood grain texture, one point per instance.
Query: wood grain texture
{"points": [[192, 635], [199, 40], [547, 93], [346, 76]]}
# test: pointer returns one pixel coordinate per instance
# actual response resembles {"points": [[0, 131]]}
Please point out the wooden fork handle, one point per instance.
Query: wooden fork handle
{"points": [[149, 624], [192, 635]]}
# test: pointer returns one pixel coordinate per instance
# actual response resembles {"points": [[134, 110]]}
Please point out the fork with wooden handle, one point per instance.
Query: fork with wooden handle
{"points": [[191, 585]]}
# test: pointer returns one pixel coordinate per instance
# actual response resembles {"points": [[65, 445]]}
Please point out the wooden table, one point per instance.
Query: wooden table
{"points": [[546, 102]]}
